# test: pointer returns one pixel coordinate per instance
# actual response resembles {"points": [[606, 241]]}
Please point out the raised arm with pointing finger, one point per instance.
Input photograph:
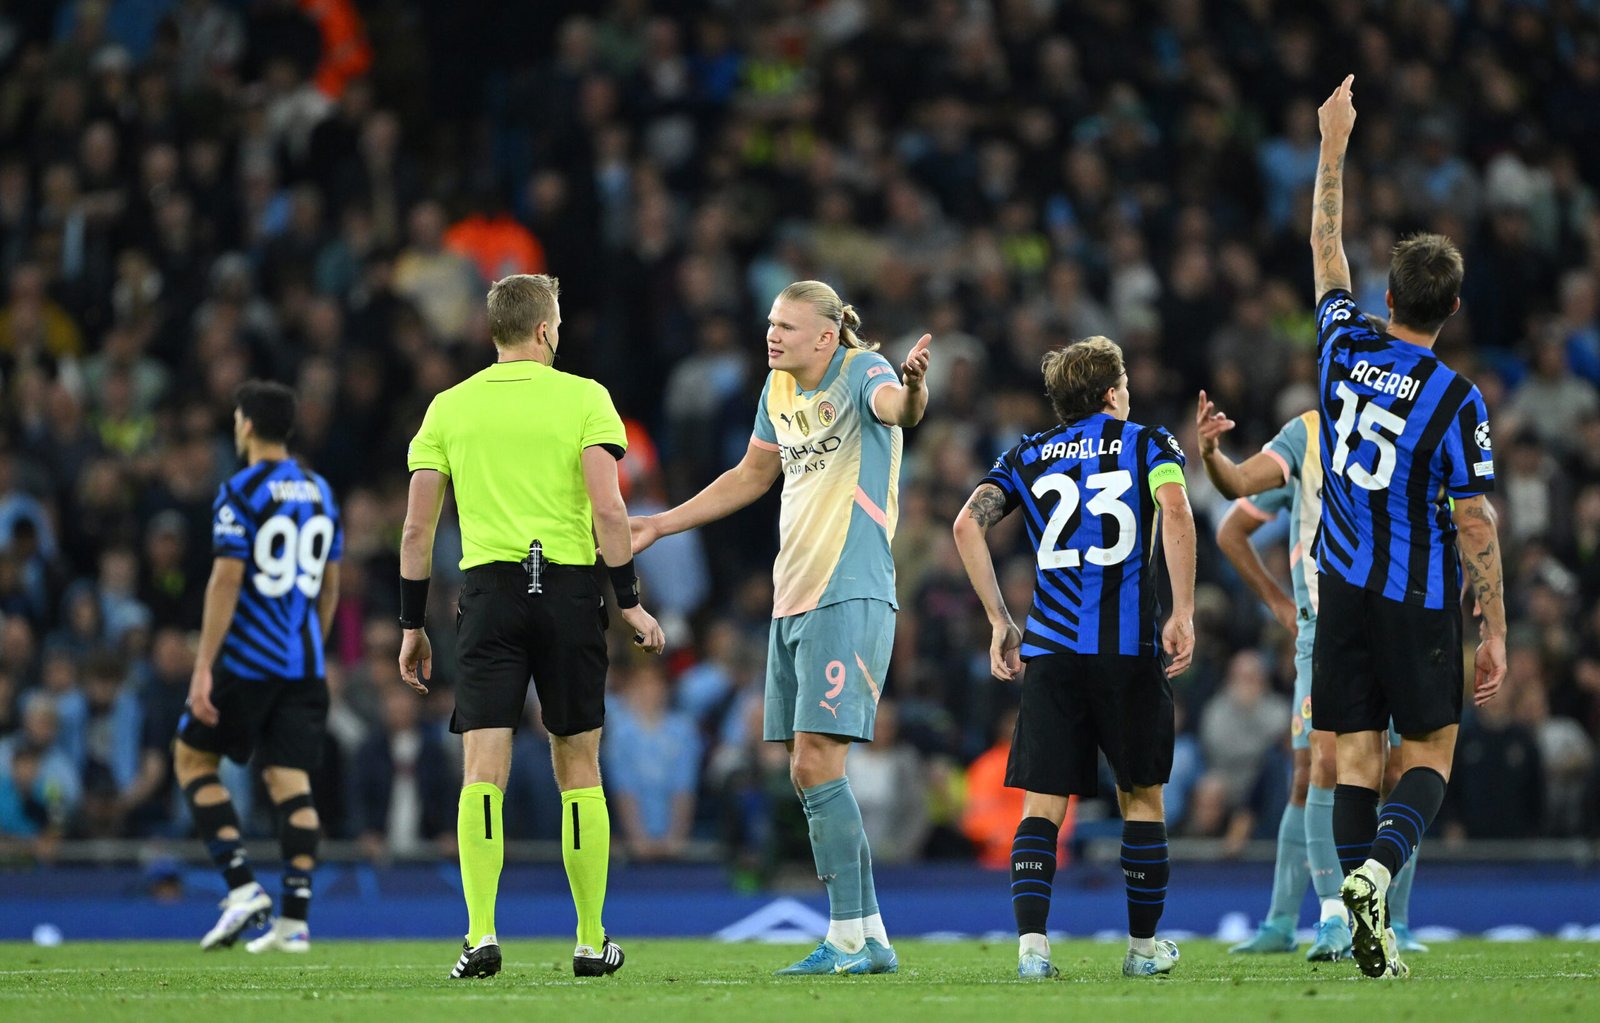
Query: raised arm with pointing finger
{"points": [[1336, 117]]}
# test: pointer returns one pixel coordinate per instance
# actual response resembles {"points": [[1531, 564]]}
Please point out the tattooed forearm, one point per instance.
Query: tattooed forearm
{"points": [[1484, 570], [987, 505], [1480, 548], [1332, 269]]}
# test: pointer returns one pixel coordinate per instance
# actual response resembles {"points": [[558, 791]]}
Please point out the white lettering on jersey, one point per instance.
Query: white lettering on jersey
{"points": [[1080, 449], [1384, 382], [303, 491]]}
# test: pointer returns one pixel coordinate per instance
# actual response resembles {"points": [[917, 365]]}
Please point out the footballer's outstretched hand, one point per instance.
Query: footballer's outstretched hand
{"points": [[1337, 115], [644, 531], [916, 365], [1210, 423]]}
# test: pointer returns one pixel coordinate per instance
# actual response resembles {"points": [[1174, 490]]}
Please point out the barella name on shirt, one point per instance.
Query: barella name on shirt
{"points": [[1384, 381], [1085, 448]]}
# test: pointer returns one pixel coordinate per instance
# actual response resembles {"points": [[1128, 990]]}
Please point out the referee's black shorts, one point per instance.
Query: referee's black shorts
{"points": [[1075, 706], [507, 636], [1377, 658]]}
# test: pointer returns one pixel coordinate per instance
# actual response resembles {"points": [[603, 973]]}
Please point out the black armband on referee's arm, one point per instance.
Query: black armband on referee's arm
{"points": [[413, 602], [626, 584]]}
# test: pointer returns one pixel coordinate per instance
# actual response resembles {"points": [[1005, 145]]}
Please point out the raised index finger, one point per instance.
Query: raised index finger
{"points": [[922, 344]]}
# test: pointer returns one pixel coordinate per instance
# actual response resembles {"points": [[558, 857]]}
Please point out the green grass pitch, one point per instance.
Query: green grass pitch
{"points": [[666, 981]]}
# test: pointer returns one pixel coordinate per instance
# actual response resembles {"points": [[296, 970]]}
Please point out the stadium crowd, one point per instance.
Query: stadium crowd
{"points": [[194, 192]]}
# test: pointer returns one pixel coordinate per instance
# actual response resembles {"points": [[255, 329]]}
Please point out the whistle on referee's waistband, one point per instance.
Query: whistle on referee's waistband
{"points": [[533, 565]]}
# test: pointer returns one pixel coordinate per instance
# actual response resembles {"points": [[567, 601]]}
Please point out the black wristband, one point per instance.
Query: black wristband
{"points": [[626, 585], [413, 602]]}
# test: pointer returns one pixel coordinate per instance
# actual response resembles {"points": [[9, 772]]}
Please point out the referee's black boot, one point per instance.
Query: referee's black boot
{"points": [[483, 961], [588, 963]]}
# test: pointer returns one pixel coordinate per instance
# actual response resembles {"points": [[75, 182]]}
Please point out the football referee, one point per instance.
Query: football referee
{"points": [[532, 453]]}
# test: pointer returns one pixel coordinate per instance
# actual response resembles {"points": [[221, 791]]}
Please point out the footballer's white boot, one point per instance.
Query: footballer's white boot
{"points": [[283, 936], [245, 906]]}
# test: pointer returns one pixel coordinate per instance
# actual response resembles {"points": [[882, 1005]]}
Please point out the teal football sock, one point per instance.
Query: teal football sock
{"points": [[1326, 875], [1291, 874], [1400, 892], [837, 844]]}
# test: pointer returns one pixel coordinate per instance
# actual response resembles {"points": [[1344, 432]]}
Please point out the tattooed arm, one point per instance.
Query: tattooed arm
{"points": [[1330, 267], [1479, 541], [984, 508]]}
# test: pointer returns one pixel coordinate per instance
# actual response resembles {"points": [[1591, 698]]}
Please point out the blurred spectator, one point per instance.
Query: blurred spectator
{"points": [[1552, 402], [1497, 788], [496, 243], [1566, 753], [652, 760], [166, 588], [706, 690], [1240, 728], [148, 804], [402, 791], [443, 284], [760, 826], [890, 783], [34, 326], [40, 786], [110, 767]]}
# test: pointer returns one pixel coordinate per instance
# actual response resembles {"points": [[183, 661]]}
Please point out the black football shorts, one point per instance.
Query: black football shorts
{"points": [[507, 637], [281, 721], [1075, 706], [1377, 658]]}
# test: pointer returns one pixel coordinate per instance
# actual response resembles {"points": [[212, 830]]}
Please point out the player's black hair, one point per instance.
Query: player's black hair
{"points": [[270, 407]]}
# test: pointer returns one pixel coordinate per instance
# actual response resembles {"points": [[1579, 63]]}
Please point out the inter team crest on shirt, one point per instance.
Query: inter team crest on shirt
{"points": [[826, 414]]}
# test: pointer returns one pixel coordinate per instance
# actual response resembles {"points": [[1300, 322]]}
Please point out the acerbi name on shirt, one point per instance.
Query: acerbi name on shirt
{"points": [[1385, 382]]}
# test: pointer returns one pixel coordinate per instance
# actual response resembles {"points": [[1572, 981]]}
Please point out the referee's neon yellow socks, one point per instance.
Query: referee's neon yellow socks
{"points": [[482, 844], [586, 852]]}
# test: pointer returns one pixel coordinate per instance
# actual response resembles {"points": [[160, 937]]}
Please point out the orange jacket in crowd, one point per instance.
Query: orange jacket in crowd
{"points": [[499, 246], [993, 811], [345, 52]]}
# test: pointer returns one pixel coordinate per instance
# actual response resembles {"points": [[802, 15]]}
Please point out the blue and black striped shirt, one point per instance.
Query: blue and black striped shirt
{"points": [[282, 522], [1402, 433], [1088, 491]]}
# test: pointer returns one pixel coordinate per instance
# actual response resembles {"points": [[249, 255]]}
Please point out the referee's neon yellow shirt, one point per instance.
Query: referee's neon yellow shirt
{"points": [[511, 439]]}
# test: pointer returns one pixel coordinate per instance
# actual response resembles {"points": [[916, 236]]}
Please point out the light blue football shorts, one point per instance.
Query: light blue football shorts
{"points": [[825, 670]]}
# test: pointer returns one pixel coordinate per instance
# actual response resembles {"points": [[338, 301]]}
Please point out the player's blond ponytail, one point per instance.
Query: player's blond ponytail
{"points": [[828, 305]]}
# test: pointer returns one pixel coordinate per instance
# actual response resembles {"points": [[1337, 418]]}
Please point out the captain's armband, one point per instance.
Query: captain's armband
{"points": [[1166, 472]]}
